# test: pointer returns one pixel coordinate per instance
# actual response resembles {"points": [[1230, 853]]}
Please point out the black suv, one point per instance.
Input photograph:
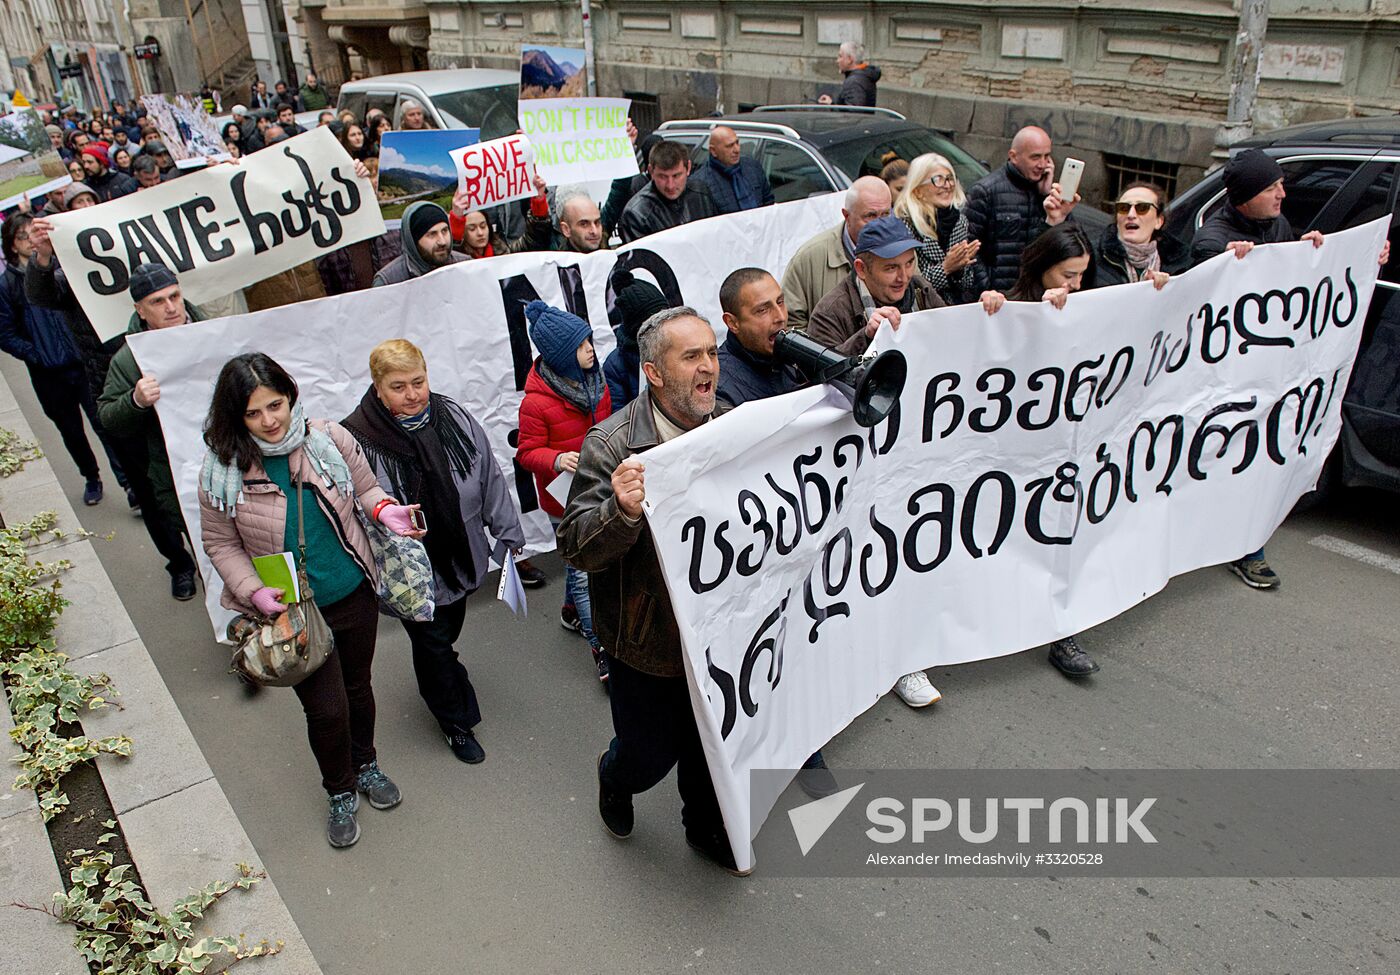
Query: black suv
{"points": [[1337, 175]]}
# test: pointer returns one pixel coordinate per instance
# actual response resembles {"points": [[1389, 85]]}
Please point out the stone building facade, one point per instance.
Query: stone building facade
{"points": [[68, 50], [1134, 89]]}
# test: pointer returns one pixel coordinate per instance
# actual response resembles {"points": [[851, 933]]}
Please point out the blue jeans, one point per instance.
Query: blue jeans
{"points": [[1254, 555], [576, 593]]}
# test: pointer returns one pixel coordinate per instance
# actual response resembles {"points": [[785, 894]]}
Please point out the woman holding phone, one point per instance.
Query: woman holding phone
{"points": [[263, 451], [427, 450]]}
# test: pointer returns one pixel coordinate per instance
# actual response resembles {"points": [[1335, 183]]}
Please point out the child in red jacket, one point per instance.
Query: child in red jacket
{"points": [[565, 395]]}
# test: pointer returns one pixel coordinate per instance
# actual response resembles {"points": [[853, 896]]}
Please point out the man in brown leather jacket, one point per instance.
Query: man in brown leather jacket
{"points": [[602, 533]]}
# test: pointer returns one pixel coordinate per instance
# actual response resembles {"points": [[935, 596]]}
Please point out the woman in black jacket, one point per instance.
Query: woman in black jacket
{"points": [[1134, 247]]}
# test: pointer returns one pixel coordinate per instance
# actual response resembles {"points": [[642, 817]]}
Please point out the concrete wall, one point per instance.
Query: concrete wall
{"points": [[1146, 82]]}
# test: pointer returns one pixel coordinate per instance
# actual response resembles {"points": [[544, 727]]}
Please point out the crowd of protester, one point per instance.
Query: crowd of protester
{"points": [[909, 239]]}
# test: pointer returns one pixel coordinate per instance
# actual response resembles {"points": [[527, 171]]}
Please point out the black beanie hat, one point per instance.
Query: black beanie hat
{"points": [[1250, 173], [147, 279], [637, 301], [425, 218]]}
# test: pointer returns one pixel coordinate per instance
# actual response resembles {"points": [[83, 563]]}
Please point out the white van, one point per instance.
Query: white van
{"points": [[459, 98]]}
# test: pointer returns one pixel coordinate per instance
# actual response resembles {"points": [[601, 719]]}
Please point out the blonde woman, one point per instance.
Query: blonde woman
{"points": [[931, 206]]}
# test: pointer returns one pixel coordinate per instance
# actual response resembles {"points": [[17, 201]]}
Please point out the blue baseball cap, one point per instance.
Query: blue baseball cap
{"points": [[886, 237]]}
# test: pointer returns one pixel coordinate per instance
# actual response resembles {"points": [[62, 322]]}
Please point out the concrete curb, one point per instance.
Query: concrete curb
{"points": [[178, 823]]}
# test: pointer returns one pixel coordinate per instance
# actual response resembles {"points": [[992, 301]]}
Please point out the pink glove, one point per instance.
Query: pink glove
{"points": [[268, 601], [398, 518]]}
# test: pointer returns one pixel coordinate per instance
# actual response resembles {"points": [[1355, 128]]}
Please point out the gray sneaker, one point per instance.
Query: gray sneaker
{"points": [[378, 789], [1255, 573], [342, 829]]}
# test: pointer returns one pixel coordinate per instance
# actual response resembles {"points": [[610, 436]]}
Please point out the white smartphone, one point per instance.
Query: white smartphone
{"points": [[1069, 179]]}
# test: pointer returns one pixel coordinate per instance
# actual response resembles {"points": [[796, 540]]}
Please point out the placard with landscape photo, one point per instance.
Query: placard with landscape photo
{"points": [[552, 72], [417, 166], [187, 130], [29, 165]]}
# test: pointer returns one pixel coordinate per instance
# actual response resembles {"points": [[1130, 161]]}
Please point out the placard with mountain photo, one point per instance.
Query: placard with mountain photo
{"points": [[416, 166], [552, 72], [29, 164]]}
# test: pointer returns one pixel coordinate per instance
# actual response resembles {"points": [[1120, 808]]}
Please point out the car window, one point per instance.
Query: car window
{"points": [[382, 100], [353, 101], [792, 172], [866, 156], [1310, 184], [492, 110]]}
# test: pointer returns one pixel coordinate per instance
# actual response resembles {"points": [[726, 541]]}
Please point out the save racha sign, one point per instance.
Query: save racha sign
{"points": [[495, 172], [218, 229]]}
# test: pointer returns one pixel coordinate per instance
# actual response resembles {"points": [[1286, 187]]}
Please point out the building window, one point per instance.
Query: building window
{"points": [[1122, 170], [646, 111]]}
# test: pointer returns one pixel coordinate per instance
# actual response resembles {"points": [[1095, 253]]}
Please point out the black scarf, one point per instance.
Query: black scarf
{"points": [[421, 466]]}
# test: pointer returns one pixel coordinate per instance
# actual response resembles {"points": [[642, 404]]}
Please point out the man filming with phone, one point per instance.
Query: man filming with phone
{"points": [[1011, 206]]}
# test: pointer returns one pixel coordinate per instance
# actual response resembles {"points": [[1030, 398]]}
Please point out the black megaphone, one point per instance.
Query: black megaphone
{"points": [[872, 387]]}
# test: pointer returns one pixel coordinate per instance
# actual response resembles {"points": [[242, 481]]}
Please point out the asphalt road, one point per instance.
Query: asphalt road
{"points": [[504, 867]]}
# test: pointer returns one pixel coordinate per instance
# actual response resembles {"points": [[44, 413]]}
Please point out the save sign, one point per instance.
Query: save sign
{"points": [[495, 172]]}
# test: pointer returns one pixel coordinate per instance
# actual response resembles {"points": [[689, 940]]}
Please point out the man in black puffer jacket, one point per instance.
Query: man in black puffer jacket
{"points": [[1007, 208], [860, 78]]}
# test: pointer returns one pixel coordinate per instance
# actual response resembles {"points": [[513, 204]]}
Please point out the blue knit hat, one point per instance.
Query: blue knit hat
{"points": [[557, 334]]}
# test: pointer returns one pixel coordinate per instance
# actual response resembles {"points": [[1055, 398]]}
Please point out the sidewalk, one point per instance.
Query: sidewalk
{"points": [[178, 824]]}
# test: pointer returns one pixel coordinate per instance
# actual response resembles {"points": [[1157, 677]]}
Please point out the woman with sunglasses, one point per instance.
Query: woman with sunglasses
{"points": [[1134, 247], [931, 206]]}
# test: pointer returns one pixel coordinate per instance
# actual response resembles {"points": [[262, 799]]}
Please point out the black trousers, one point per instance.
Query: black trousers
{"points": [[654, 730], [167, 536], [339, 697], [442, 679], [64, 395]]}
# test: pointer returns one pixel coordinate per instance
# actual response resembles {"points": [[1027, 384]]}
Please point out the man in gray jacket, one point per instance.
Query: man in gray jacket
{"points": [[603, 534], [427, 246]]}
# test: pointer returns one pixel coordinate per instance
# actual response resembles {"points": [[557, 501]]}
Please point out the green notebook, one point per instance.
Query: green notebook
{"points": [[279, 572]]}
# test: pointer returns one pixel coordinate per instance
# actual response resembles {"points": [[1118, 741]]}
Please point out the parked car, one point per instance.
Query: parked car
{"points": [[460, 98], [807, 150], [1338, 174]]}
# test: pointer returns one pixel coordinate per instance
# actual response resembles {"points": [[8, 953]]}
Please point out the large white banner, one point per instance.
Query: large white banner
{"points": [[1046, 470], [219, 229], [469, 319]]}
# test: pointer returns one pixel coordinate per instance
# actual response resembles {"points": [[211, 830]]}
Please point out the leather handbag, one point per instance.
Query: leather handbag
{"points": [[405, 574], [290, 647]]}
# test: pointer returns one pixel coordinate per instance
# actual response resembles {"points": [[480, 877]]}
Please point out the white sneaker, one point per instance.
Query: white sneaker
{"points": [[916, 691]]}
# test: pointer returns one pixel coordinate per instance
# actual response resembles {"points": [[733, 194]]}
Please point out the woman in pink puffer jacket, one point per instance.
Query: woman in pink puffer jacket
{"points": [[260, 445]]}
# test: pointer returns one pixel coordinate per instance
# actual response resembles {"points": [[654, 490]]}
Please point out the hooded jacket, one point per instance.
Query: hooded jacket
{"points": [[858, 88], [649, 212], [1005, 211], [410, 264], [117, 410], [38, 336]]}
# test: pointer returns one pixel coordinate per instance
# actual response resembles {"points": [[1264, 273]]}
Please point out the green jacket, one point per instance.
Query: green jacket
{"points": [[313, 98], [119, 413]]}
